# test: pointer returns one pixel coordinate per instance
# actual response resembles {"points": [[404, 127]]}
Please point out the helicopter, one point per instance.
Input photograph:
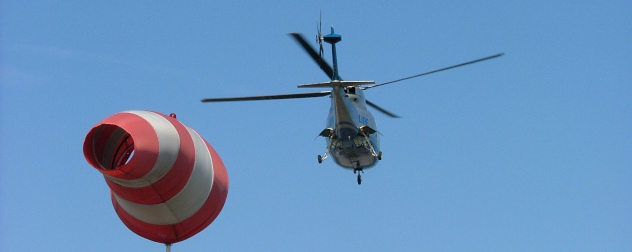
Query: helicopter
{"points": [[353, 140]]}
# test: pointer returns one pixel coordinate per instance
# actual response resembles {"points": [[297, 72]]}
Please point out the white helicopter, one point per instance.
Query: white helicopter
{"points": [[351, 132]]}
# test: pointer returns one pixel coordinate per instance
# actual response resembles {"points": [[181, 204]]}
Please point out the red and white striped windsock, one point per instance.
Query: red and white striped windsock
{"points": [[167, 183]]}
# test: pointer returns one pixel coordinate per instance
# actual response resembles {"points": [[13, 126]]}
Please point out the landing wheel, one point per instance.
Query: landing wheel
{"points": [[320, 159], [379, 155], [359, 179]]}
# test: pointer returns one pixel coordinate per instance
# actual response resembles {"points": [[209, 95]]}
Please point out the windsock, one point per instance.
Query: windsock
{"points": [[166, 182]]}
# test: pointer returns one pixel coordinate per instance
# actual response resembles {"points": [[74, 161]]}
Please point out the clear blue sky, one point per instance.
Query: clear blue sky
{"points": [[528, 152]]}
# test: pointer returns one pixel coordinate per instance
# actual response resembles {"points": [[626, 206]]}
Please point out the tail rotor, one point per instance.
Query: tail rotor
{"points": [[319, 37]]}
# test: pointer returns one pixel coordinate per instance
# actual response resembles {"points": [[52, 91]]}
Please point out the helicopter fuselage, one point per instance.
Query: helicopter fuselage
{"points": [[351, 132], [352, 138]]}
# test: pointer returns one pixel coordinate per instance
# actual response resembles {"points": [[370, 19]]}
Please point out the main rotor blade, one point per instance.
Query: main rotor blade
{"points": [[312, 52], [438, 70], [381, 109], [268, 97]]}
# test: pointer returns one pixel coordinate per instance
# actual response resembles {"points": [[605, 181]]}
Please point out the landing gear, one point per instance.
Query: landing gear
{"points": [[327, 133], [358, 170], [365, 131]]}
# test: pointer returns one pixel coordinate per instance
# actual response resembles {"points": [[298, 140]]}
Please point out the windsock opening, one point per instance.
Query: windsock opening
{"points": [[112, 146]]}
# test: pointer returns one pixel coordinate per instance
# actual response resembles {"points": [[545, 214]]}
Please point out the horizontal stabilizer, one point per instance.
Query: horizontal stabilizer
{"points": [[336, 83]]}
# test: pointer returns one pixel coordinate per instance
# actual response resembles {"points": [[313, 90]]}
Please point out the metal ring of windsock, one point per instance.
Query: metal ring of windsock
{"points": [[166, 182]]}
